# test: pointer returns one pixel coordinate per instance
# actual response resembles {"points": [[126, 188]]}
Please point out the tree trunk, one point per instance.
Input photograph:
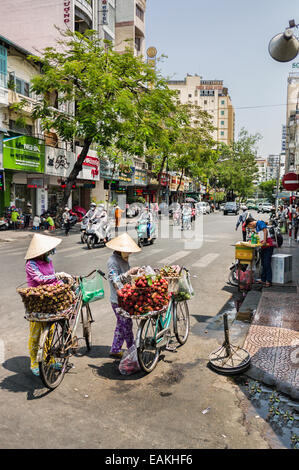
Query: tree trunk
{"points": [[159, 177], [179, 185], [72, 177]]}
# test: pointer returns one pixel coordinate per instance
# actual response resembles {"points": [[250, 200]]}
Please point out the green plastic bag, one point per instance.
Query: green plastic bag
{"points": [[92, 288]]}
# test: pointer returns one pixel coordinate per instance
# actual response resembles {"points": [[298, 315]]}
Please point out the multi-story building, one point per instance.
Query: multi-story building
{"points": [[292, 124], [35, 163], [261, 163], [130, 26], [210, 96], [33, 23]]}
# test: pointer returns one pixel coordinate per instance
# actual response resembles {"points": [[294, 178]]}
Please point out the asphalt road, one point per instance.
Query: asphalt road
{"points": [[95, 406]]}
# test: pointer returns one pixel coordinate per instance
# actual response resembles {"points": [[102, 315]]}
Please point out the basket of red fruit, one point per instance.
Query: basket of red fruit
{"points": [[148, 296]]}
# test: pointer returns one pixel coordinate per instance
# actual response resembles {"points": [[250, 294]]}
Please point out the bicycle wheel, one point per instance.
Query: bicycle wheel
{"points": [[181, 321], [148, 352], [86, 325], [54, 353]]}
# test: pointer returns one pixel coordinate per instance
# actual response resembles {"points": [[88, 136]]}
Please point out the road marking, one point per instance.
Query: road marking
{"points": [[205, 260], [176, 256], [17, 252], [154, 251]]}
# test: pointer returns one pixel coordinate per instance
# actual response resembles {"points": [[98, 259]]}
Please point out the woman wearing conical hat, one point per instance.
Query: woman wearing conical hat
{"points": [[40, 270], [119, 273]]}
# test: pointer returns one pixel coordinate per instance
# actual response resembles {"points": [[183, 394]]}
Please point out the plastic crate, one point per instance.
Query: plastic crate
{"points": [[244, 252]]}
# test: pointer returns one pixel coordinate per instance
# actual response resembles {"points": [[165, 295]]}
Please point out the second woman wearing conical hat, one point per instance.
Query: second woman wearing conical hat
{"points": [[119, 273]]}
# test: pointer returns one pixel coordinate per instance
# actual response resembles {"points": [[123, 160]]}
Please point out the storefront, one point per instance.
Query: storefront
{"points": [[24, 164], [119, 182], [58, 166]]}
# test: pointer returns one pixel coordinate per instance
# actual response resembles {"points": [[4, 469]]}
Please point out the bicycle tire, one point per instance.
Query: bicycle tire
{"points": [[181, 318], [148, 353], [53, 350], [86, 325]]}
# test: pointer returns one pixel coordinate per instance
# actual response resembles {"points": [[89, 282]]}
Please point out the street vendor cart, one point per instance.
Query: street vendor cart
{"points": [[246, 253]]}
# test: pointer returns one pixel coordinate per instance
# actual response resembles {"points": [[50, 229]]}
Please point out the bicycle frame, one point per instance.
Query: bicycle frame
{"points": [[164, 323]]}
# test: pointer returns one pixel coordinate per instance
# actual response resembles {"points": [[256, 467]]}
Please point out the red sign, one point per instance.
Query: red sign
{"points": [[290, 182]]}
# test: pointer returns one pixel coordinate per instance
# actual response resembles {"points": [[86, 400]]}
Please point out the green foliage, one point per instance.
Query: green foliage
{"points": [[268, 188]]}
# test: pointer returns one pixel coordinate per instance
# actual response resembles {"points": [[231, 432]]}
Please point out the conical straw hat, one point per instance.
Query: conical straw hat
{"points": [[41, 244], [123, 243]]}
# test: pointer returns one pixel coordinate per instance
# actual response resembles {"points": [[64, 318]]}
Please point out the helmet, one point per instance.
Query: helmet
{"points": [[66, 209], [93, 204]]}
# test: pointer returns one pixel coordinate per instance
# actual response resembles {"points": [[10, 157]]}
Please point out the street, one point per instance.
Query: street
{"points": [[95, 406]]}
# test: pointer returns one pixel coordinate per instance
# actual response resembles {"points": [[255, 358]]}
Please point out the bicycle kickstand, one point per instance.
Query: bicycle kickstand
{"points": [[168, 347]]}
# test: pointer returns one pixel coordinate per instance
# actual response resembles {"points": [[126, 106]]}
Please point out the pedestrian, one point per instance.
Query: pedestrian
{"points": [[66, 220], [266, 250], [241, 220], [36, 222], [27, 215], [39, 270], [119, 273], [50, 222], [296, 223], [15, 216], [117, 215]]}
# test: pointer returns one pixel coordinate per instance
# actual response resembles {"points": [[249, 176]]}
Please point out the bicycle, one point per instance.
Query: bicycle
{"points": [[58, 341], [154, 332]]}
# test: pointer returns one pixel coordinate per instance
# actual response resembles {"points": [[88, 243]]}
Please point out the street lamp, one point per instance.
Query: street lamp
{"points": [[284, 47]]}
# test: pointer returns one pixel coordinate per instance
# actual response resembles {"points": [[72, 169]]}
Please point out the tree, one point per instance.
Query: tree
{"points": [[235, 168], [113, 106], [267, 188]]}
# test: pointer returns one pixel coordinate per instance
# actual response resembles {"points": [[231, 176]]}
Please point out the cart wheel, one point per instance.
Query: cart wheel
{"points": [[54, 356]]}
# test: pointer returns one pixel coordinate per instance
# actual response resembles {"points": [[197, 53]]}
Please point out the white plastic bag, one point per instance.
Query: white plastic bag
{"points": [[129, 363], [185, 285]]}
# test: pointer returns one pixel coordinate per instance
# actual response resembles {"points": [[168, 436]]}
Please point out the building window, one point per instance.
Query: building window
{"points": [[138, 43], [190, 95], [18, 128], [139, 13], [222, 133], [222, 102], [222, 123], [195, 93], [205, 102], [222, 113], [18, 85]]}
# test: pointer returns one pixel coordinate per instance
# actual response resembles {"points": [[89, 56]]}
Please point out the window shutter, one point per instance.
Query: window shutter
{"points": [[3, 65]]}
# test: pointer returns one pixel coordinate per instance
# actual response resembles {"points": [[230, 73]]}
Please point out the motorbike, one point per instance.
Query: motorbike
{"points": [[97, 231], [177, 217], [237, 264], [4, 224], [83, 229], [186, 220], [142, 231]]}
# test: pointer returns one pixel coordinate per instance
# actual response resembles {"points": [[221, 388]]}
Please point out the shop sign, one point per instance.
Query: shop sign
{"points": [[24, 153], [66, 12], [91, 165], [58, 162], [104, 12], [35, 183], [140, 177]]}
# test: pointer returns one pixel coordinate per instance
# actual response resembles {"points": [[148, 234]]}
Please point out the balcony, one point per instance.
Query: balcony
{"points": [[85, 5], [14, 98]]}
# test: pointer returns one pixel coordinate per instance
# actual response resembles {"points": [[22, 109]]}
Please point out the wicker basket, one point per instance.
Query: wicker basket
{"points": [[50, 317], [154, 313]]}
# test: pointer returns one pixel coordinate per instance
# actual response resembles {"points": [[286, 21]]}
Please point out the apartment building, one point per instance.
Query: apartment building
{"points": [[292, 124], [130, 26], [211, 96], [33, 23]]}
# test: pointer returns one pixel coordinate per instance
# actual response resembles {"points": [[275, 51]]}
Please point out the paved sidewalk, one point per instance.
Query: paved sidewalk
{"points": [[273, 336]]}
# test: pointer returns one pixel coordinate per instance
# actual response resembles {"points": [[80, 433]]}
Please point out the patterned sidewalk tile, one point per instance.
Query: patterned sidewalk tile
{"points": [[273, 337]]}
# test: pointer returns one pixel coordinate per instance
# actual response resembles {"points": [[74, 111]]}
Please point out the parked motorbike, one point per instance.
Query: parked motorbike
{"points": [[236, 265], [97, 232], [4, 224], [142, 230], [186, 220]]}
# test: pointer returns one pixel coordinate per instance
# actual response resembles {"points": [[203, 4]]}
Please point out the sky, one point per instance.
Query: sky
{"points": [[228, 40]]}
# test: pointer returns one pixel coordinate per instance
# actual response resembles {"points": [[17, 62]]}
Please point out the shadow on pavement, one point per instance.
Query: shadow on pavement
{"points": [[23, 380]]}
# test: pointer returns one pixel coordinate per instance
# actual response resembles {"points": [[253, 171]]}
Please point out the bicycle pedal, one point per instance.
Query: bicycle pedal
{"points": [[171, 349]]}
